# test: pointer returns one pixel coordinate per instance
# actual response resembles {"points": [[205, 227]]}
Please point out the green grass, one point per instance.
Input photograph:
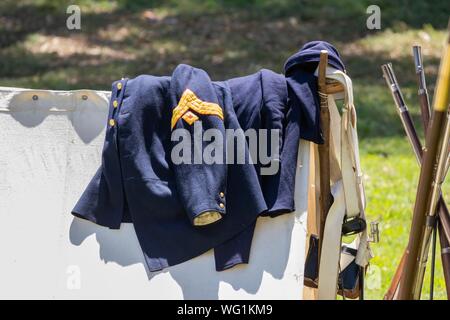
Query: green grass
{"points": [[229, 38], [391, 180]]}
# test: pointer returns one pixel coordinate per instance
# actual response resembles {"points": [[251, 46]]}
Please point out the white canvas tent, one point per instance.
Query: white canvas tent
{"points": [[50, 147]]}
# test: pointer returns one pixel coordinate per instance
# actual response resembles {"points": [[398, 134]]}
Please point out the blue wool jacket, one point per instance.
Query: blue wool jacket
{"points": [[137, 181]]}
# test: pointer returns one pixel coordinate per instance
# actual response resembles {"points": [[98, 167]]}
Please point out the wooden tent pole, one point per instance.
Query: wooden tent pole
{"points": [[324, 149]]}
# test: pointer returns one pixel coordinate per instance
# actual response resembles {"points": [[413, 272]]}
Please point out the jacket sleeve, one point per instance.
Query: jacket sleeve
{"points": [[198, 150]]}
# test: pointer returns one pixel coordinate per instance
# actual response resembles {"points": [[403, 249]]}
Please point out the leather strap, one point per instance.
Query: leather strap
{"points": [[347, 189]]}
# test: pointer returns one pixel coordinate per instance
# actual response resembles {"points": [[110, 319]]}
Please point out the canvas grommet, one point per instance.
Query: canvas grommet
{"points": [[35, 97], [84, 97]]}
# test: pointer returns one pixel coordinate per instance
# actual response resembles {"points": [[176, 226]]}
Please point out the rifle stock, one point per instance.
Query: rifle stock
{"points": [[445, 257], [430, 216]]}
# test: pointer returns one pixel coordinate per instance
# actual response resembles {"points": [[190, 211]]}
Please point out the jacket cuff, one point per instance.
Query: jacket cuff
{"points": [[206, 218], [202, 216]]}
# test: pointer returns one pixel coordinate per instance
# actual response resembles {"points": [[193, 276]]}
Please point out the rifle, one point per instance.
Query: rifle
{"points": [[442, 210], [424, 103], [412, 275]]}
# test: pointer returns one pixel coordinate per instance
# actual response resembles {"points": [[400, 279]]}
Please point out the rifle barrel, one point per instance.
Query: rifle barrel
{"points": [[402, 109], [422, 91]]}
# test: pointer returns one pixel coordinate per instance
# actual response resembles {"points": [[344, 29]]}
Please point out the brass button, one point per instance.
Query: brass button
{"points": [[115, 103], [119, 85], [222, 194], [221, 205], [112, 122]]}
